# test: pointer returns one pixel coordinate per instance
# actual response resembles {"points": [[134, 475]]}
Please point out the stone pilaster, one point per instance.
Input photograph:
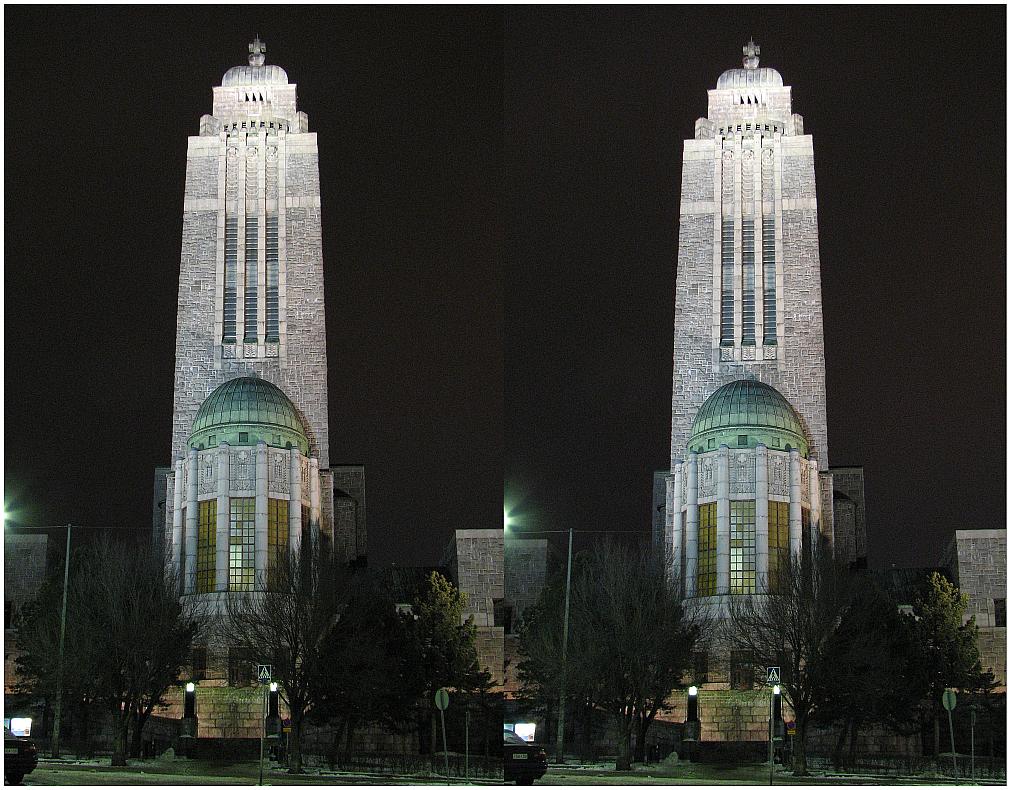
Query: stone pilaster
{"points": [[814, 501], [675, 502], [762, 521], [315, 500], [222, 523], [190, 541], [795, 503], [177, 518], [295, 505], [260, 515], [692, 524], [724, 523]]}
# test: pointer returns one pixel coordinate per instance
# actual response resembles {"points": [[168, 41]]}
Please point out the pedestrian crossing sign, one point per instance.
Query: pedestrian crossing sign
{"points": [[773, 676], [264, 673]]}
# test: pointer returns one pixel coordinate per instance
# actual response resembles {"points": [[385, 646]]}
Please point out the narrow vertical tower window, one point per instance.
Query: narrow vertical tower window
{"points": [[231, 264], [271, 260], [250, 303], [769, 284], [727, 282], [748, 296]]}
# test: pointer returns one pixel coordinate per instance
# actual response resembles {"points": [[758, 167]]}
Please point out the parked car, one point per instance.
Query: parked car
{"points": [[20, 757], [523, 762]]}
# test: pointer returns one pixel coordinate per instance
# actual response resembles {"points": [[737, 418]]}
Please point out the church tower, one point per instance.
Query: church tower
{"points": [[251, 475], [749, 477]]}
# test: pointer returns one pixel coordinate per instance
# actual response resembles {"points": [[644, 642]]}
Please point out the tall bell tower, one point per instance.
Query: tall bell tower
{"points": [[749, 433], [250, 421]]}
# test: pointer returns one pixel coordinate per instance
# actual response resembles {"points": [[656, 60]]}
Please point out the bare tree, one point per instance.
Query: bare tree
{"points": [[130, 631], [794, 630], [287, 625], [632, 638]]}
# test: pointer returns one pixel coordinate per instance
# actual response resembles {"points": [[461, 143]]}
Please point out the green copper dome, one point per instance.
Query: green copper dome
{"points": [[744, 414], [245, 411]]}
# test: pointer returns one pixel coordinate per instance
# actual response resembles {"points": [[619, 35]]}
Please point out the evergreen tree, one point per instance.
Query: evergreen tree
{"points": [[949, 646]]}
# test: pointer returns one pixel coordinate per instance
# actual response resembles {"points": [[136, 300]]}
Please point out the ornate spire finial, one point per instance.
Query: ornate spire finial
{"points": [[257, 50], [749, 53]]}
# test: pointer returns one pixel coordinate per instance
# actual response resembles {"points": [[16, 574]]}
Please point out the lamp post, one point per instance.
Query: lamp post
{"points": [[775, 711], [58, 706], [58, 703], [507, 523], [566, 635]]}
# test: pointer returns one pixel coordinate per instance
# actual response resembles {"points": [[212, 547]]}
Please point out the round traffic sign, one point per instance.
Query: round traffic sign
{"points": [[949, 699], [442, 699]]}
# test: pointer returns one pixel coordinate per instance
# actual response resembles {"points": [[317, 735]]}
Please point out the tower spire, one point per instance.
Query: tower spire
{"points": [[750, 53], [257, 50]]}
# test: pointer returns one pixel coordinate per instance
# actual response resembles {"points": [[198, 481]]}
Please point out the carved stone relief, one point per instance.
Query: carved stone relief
{"points": [[742, 470], [778, 474], [207, 480], [707, 478], [242, 477], [279, 472]]}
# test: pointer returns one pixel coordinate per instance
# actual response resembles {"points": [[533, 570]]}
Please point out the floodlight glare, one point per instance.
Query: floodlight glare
{"points": [[692, 691], [274, 687], [190, 687], [777, 689]]}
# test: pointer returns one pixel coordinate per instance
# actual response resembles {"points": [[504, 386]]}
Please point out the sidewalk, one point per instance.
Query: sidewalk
{"points": [[248, 771], [714, 774]]}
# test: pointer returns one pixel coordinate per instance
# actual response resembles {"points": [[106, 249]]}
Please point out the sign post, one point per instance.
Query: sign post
{"points": [[950, 702], [972, 743], [467, 721], [442, 701], [264, 678]]}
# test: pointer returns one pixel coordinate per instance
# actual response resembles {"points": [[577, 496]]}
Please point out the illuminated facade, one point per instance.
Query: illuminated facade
{"points": [[251, 478], [749, 479]]}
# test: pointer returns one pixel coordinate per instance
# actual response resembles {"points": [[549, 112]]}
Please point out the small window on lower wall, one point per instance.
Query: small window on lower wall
{"points": [[198, 662], [1000, 612], [700, 667], [741, 670], [240, 667]]}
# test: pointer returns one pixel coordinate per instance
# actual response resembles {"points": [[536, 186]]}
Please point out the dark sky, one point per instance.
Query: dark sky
{"points": [[500, 210]]}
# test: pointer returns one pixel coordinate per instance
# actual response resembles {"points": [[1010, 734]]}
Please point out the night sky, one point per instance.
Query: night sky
{"points": [[500, 213]]}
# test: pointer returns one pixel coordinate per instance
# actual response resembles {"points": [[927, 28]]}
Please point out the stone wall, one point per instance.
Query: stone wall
{"points": [[850, 536], [525, 572], [977, 558], [474, 559], [24, 569], [350, 484], [725, 715]]}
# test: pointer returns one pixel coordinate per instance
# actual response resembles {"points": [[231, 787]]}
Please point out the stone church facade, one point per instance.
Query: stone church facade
{"points": [[251, 478], [749, 481]]}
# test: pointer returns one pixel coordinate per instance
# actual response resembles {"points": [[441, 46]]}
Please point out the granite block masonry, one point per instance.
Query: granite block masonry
{"points": [[474, 560], [250, 480], [977, 560], [749, 480]]}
